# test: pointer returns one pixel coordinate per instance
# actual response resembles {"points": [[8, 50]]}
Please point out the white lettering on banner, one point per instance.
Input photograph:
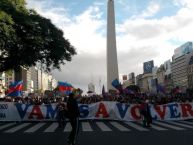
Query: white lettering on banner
{"points": [[101, 110]]}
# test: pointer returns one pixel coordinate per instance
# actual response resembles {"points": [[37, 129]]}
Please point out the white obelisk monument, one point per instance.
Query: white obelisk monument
{"points": [[112, 64]]}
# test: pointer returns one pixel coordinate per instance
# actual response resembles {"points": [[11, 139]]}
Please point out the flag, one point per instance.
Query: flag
{"points": [[15, 89], [65, 87], [161, 89], [115, 83]]}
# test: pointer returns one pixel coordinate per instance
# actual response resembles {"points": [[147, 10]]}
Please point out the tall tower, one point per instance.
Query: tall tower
{"points": [[112, 64]]}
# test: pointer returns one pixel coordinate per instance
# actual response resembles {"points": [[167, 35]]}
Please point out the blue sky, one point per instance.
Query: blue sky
{"points": [[146, 30]]}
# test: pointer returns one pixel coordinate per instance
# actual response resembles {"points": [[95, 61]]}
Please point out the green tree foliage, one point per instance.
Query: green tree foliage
{"points": [[27, 38]]}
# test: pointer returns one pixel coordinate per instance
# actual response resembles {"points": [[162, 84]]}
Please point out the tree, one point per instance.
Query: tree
{"points": [[26, 38]]}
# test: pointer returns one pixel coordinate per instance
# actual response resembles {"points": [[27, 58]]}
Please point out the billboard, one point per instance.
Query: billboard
{"points": [[184, 49], [148, 66]]}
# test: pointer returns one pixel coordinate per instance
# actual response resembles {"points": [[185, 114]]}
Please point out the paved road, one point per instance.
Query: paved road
{"points": [[98, 133]]}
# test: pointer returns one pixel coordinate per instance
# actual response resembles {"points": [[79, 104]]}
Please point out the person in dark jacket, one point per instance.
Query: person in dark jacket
{"points": [[145, 113], [73, 115]]}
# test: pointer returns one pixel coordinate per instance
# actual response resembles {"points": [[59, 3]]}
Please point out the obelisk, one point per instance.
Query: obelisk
{"points": [[112, 64]]}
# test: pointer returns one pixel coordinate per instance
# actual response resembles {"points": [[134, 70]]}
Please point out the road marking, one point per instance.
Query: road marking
{"points": [[86, 126], [180, 124], [119, 126], [169, 126], [14, 129], [103, 126], [158, 127], [138, 127], [68, 127], [52, 127], [35, 128], [155, 127], [6, 125], [187, 122]]}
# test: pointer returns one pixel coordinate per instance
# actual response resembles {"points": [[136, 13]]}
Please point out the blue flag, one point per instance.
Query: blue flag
{"points": [[15, 89]]}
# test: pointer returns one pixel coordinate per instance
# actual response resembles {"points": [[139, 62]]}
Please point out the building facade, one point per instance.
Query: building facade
{"points": [[190, 72], [146, 82], [180, 63], [179, 72], [2, 84], [139, 80]]}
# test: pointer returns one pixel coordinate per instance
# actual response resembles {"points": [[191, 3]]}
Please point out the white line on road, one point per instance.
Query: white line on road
{"points": [[68, 127], [156, 127], [119, 126], [103, 126], [6, 125], [14, 129], [138, 127], [52, 127], [187, 122], [35, 128], [180, 124], [86, 126], [169, 126]]}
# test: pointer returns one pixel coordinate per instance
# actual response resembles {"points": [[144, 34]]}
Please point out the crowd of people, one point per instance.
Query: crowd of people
{"points": [[129, 99]]}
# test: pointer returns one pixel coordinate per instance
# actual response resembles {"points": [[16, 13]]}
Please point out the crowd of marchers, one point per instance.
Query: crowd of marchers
{"points": [[156, 99]]}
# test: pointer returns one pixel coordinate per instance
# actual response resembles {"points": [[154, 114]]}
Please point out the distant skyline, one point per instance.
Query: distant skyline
{"points": [[146, 30]]}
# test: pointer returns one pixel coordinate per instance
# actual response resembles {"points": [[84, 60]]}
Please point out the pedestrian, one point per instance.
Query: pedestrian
{"points": [[61, 107], [145, 113], [73, 115]]}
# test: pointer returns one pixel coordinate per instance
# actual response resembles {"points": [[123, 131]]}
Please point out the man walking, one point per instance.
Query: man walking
{"points": [[145, 113], [73, 115], [61, 107]]}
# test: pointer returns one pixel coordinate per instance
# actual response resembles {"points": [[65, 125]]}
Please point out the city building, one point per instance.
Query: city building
{"points": [[139, 81], [161, 75], [168, 76], [2, 84], [132, 78], [91, 87], [180, 61], [124, 77], [21, 74], [154, 80], [190, 72], [148, 66], [146, 82], [54, 83], [34, 78]]}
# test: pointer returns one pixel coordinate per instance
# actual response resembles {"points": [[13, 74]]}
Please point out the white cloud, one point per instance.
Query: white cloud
{"points": [[184, 3], [150, 11], [139, 39]]}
